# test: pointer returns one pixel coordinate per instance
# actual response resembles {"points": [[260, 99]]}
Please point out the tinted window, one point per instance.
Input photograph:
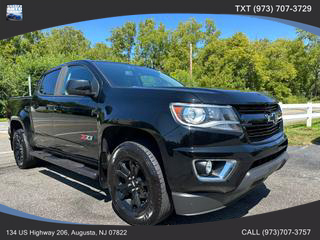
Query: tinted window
{"points": [[123, 75], [79, 73], [48, 83]]}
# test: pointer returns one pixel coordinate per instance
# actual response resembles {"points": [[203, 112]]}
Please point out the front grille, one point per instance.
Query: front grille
{"points": [[254, 109], [258, 131]]}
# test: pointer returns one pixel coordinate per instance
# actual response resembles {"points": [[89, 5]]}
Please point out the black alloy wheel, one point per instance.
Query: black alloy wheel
{"points": [[137, 185], [131, 187]]}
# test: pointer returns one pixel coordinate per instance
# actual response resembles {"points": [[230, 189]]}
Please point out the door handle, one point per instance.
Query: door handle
{"points": [[94, 112], [53, 107], [57, 108]]}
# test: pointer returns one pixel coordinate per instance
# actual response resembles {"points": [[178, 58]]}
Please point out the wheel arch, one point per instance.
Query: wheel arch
{"points": [[113, 136], [15, 124]]}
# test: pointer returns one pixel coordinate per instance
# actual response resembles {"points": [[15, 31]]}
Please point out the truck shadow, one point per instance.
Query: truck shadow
{"points": [[92, 188], [236, 210], [76, 181], [316, 141]]}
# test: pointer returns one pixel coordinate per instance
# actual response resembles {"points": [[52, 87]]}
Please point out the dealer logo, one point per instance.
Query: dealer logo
{"points": [[14, 12]]}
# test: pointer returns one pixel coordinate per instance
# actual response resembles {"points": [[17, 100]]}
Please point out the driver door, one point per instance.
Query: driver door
{"points": [[75, 118]]}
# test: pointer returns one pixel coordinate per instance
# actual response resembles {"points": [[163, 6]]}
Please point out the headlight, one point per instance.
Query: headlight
{"points": [[206, 116]]}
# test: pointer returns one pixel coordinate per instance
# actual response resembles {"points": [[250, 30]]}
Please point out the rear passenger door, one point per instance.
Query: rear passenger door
{"points": [[75, 120], [43, 109]]}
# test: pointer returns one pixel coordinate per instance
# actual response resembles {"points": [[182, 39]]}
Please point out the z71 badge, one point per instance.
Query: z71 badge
{"points": [[86, 137]]}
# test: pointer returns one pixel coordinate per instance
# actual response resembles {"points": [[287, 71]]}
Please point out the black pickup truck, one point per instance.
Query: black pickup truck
{"points": [[153, 144]]}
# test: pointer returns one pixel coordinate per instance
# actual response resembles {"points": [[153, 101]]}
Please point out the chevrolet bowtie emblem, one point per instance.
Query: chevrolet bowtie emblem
{"points": [[272, 117]]}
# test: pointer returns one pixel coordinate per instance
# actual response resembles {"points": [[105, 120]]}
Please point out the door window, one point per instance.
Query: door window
{"points": [[48, 83]]}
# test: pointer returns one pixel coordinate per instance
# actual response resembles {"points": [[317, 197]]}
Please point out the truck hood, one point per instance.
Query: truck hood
{"points": [[196, 95], [232, 97]]}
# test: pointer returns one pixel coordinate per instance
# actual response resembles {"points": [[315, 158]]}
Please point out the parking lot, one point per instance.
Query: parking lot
{"points": [[51, 192]]}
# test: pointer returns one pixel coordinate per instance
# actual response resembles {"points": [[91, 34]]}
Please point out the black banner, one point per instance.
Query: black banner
{"points": [[38, 14], [293, 223]]}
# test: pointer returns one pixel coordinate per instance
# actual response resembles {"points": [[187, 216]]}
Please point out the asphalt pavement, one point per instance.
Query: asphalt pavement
{"points": [[52, 192], [3, 127]]}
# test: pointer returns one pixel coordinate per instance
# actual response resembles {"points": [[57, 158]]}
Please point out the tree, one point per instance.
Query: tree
{"points": [[312, 47], [152, 45], [286, 69], [100, 51], [123, 41], [33, 54], [66, 41], [211, 31], [187, 33]]}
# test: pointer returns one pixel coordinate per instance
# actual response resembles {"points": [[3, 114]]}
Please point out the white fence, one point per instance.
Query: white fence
{"points": [[312, 110]]}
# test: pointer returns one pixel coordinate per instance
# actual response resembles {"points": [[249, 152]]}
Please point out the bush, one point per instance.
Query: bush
{"points": [[295, 99], [182, 76]]}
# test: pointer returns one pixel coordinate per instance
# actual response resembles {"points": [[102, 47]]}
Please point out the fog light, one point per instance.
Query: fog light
{"points": [[208, 167], [204, 168], [212, 170]]}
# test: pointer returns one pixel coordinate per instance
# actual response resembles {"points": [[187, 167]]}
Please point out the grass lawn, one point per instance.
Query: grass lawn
{"points": [[299, 134], [3, 119]]}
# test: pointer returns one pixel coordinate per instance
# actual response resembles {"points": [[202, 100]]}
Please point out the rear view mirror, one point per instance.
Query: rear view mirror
{"points": [[79, 87]]}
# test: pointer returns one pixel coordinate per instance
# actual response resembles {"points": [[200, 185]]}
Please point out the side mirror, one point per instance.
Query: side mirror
{"points": [[79, 87]]}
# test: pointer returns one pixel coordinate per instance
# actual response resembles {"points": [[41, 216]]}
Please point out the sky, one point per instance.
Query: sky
{"points": [[98, 30]]}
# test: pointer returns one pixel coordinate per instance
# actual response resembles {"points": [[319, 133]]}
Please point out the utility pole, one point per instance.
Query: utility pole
{"points": [[29, 80], [191, 64]]}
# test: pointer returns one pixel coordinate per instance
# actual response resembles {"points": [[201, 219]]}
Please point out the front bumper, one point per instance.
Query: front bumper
{"points": [[199, 203]]}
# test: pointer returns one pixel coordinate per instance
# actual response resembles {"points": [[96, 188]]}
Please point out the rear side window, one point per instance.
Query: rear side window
{"points": [[48, 83]]}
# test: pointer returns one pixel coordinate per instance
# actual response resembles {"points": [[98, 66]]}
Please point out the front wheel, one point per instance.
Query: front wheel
{"points": [[137, 185]]}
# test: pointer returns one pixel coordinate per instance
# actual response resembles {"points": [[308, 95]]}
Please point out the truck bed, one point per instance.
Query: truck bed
{"points": [[16, 104]]}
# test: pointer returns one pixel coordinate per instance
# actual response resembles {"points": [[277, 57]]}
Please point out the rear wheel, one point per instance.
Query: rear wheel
{"points": [[21, 150], [137, 185]]}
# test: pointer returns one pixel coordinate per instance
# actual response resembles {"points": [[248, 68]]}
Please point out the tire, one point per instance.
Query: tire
{"points": [[137, 186], [21, 150]]}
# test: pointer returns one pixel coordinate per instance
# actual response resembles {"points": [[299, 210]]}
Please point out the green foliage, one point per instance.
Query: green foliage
{"points": [[296, 99], [66, 41], [285, 69], [182, 76], [123, 40], [152, 45]]}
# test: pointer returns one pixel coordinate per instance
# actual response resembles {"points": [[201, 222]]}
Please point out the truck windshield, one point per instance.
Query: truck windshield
{"points": [[123, 75]]}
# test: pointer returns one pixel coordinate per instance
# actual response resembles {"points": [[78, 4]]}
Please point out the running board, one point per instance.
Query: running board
{"points": [[67, 164]]}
